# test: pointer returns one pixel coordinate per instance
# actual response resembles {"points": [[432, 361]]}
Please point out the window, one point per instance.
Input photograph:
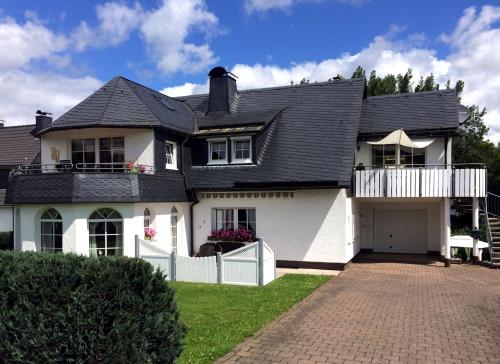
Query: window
{"points": [[217, 151], [170, 155], [51, 231], [83, 152], [111, 153], [105, 233], [385, 155], [147, 218], [241, 150], [232, 219], [173, 226]]}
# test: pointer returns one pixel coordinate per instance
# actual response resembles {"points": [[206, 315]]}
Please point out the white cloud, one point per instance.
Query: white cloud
{"points": [[23, 43], [474, 58], [25, 92], [116, 21], [187, 89], [166, 29], [262, 6]]}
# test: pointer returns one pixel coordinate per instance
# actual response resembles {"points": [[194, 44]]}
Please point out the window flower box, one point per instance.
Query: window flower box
{"points": [[239, 235]]}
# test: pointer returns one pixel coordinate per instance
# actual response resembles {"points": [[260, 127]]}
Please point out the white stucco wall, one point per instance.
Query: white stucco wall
{"points": [[433, 211], [434, 154], [5, 219], [139, 143], [314, 225], [75, 225]]}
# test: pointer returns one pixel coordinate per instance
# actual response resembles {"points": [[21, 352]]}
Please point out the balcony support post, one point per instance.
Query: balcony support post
{"points": [[475, 225], [446, 231]]}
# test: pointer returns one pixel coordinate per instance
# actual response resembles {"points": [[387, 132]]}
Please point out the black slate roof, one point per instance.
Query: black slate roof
{"points": [[313, 141], [430, 110], [98, 187], [124, 103], [18, 146]]}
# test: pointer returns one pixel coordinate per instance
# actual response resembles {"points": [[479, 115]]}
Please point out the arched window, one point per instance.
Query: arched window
{"points": [[147, 218], [51, 231], [105, 233], [173, 226]]}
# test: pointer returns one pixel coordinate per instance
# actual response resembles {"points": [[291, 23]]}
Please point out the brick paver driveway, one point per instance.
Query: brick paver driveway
{"points": [[385, 312]]}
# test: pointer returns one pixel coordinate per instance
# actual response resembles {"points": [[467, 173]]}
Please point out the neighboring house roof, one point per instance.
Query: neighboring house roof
{"points": [[18, 145], [124, 103], [313, 141], [432, 110]]}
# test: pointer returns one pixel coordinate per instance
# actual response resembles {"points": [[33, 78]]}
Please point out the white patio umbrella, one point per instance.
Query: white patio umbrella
{"points": [[399, 137]]}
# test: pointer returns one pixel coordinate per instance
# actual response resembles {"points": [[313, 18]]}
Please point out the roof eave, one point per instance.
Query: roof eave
{"points": [[435, 132]]}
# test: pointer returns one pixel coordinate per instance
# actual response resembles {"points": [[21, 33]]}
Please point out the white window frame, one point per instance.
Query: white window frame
{"points": [[210, 160], [172, 165], [235, 216], [233, 150]]}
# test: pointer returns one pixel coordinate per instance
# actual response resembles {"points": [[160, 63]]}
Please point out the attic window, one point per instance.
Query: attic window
{"points": [[241, 148], [217, 151], [170, 155], [165, 102]]}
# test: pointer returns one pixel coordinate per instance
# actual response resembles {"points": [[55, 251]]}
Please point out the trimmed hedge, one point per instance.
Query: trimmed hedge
{"points": [[68, 308], [6, 240]]}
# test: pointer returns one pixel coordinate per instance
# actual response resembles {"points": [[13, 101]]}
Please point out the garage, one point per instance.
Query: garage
{"points": [[400, 231]]}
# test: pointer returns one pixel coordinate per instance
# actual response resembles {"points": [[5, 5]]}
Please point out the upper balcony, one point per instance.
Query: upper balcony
{"points": [[105, 182], [452, 180]]}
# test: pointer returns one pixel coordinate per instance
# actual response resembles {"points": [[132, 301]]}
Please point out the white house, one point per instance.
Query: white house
{"points": [[308, 167]]}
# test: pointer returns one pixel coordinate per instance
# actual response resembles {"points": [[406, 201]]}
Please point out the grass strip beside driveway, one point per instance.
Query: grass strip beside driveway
{"points": [[221, 316]]}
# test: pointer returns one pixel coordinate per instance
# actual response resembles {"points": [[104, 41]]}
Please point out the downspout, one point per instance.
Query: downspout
{"points": [[13, 226], [191, 195]]}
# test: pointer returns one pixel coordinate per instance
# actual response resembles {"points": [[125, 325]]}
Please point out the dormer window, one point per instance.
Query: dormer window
{"points": [[241, 150], [170, 155], [217, 151]]}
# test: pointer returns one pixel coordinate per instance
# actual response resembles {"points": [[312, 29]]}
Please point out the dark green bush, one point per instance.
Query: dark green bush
{"points": [[6, 240], [68, 308]]}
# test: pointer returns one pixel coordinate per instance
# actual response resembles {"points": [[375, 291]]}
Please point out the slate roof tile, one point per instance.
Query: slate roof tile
{"points": [[414, 111], [18, 146]]}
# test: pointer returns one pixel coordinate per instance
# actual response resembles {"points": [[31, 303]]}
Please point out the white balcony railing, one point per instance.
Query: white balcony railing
{"points": [[427, 181], [68, 167]]}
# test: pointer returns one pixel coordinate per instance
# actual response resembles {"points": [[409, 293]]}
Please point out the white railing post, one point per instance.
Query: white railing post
{"points": [[475, 225], [274, 257], [137, 247], [260, 261], [219, 268], [172, 265]]}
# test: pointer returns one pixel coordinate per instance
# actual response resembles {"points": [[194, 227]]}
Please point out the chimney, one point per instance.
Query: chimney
{"points": [[43, 121], [222, 90], [2, 123]]}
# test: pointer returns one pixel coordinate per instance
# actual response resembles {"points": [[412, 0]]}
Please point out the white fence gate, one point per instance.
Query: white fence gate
{"points": [[252, 265]]}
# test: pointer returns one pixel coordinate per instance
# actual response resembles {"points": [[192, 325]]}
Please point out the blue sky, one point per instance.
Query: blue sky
{"points": [[69, 48]]}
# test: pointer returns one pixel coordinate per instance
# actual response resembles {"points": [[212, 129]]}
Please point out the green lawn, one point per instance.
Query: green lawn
{"points": [[220, 316]]}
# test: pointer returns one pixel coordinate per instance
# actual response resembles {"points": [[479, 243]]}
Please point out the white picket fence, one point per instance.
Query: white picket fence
{"points": [[252, 265]]}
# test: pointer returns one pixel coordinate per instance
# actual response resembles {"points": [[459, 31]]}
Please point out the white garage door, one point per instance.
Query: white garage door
{"points": [[400, 231]]}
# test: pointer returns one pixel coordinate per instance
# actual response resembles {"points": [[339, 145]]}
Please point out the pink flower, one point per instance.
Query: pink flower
{"points": [[243, 235], [149, 233]]}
